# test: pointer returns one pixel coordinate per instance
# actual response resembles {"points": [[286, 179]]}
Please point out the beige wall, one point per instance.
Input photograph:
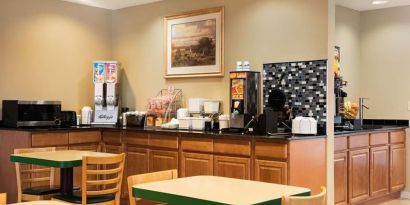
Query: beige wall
{"points": [[385, 48], [378, 57], [348, 38], [46, 50], [262, 31]]}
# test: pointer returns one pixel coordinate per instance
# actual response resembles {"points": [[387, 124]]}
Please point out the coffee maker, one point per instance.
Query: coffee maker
{"points": [[106, 92], [244, 98]]}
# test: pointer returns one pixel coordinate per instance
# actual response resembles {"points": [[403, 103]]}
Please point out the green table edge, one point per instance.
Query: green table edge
{"points": [[184, 200], [44, 162]]}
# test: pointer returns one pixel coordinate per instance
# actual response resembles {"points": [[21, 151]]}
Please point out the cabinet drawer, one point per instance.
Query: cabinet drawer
{"points": [[271, 150], [397, 137], [197, 144], [111, 137], [84, 137], [358, 141], [340, 144], [135, 138], [235, 147], [49, 139], [165, 141], [379, 138]]}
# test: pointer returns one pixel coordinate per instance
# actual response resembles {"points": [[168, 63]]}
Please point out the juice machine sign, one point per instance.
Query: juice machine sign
{"points": [[237, 89]]}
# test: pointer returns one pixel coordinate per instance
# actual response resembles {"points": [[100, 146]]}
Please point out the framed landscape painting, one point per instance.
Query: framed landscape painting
{"points": [[194, 44]]}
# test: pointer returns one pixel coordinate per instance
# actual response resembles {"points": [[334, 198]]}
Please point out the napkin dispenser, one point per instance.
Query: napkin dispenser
{"points": [[304, 126]]}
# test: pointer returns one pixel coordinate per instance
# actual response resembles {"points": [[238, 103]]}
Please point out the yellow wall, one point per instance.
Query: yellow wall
{"points": [[378, 57], [348, 38], [385, 48], [262, 31], [47, 47]]}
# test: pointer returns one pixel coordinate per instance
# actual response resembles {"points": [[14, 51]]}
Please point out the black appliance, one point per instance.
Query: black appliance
{"points": [[68, 118], [244, 98], [19, 113]]}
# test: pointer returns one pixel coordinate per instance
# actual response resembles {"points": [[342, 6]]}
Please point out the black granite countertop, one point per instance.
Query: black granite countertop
{"points": [[279, 136], [379, 129]]}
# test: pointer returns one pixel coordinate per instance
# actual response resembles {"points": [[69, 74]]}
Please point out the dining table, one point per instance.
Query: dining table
{"points": [[66, 160], [214, 190]]}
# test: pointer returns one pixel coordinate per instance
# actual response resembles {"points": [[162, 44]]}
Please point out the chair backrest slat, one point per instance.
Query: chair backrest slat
{"points": [[319, 199], [31, 175], [109, 170], [149, 177], [104, 181], [105, 171], [3, 198], [42, 179]]}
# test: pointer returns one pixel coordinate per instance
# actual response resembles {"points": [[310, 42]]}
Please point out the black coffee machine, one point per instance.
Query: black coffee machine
{"points": [[276, 115]]}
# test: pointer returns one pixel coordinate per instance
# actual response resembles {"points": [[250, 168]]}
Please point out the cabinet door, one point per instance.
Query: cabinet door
{"points": [[234, 167], [193, 164], [359, 181], [397, 167], [340, 163], [271, 171], [114, 149], [77, 170], [160, 160], [136, 163], [379, 170]]}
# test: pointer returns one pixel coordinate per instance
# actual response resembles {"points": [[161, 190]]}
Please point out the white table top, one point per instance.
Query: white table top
{"points": [[218, 190], [62, 158], [41, 203]]}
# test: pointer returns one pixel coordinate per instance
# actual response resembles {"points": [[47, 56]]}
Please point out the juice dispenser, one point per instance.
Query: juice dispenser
{"points": [[244, 97]]}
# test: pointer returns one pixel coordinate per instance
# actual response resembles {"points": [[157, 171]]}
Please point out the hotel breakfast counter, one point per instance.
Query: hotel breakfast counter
{"points": [[297, 161]]}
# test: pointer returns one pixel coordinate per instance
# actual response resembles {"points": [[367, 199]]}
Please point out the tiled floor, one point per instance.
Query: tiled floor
{"points": [[398, 202]]}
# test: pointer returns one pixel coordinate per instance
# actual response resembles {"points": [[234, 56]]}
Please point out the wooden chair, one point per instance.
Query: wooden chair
{"points": [[101, 181], [319, 199], [149, 177], [3, 198], [35, 182]]}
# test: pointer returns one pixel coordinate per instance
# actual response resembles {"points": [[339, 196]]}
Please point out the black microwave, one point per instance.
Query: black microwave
{"points": [[19, 113]]}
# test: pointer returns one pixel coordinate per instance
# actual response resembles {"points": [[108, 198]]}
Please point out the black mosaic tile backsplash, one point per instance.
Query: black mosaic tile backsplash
{"points": [[304, 86]]}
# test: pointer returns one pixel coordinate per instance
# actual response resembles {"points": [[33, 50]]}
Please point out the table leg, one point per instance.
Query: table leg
{"points": [[66, 181]]}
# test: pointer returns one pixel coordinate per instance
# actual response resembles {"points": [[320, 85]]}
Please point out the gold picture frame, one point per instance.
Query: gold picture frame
{"points": [[194, 44]]}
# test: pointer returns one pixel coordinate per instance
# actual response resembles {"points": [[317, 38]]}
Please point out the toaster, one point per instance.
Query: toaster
{"points": [[304, 126]]}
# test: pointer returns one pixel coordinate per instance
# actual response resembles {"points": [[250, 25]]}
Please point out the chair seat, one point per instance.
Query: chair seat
{"points": [[76, 198], [42, 190]]}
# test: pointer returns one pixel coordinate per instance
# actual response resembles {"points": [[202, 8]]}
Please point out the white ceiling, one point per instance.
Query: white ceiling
{"points": [[112, 4], [364, 5]]}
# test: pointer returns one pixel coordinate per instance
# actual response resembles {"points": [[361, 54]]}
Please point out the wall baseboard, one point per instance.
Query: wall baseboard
{"points": [[405, 195]]}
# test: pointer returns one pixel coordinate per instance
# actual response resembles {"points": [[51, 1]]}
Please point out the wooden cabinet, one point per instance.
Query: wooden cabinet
{"points": [[379, 170], [359, 183], [376, 167], [137, 160], [49, 139], [193, 164], [160, 160], [234, 167], [397, 167], [340, 178], [271, 171]]}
